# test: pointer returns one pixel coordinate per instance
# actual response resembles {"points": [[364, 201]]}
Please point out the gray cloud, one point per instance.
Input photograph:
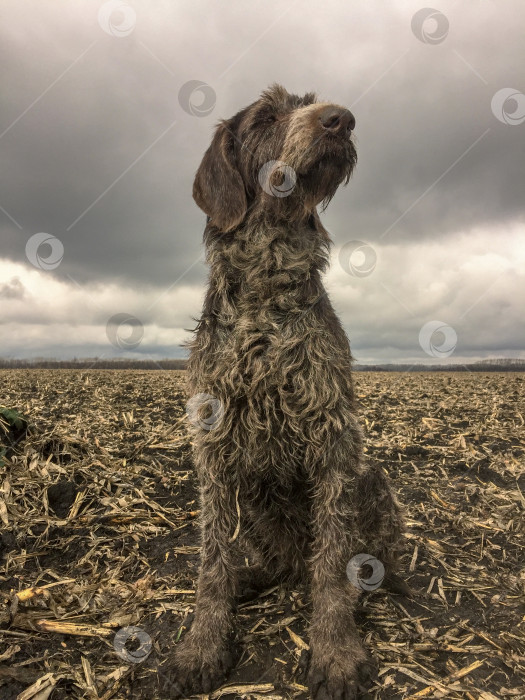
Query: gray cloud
{"points": [[14, 289], [103, 157]]}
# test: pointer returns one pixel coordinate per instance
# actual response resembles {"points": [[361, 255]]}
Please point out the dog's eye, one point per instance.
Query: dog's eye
{"points": [[266, 119]]}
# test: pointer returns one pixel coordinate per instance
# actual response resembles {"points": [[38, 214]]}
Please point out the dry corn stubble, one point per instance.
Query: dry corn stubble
{"points": [[98, 532]]}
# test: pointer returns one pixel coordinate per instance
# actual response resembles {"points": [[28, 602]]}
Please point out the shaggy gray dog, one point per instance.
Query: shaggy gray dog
{"points": [[284, 492]]}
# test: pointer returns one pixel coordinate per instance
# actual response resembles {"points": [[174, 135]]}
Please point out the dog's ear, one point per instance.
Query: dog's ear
{"points": [[218, 188]]}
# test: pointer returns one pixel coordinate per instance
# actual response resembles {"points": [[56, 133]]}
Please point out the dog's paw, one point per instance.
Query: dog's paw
{"points": [[341, 679], [196, 671]]}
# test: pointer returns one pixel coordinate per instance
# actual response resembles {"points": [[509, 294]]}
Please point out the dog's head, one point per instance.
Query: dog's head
{"points": [[285, 154]]}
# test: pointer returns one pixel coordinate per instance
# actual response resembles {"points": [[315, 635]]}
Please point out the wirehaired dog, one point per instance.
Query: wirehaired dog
{"points": [[284, 492]]}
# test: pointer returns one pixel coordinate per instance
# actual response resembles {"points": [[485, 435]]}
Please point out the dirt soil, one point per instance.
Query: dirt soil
{"points": [[98, 509]]}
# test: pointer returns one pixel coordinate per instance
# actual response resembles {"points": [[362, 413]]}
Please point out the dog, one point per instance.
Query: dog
{"points": [[285, 494]]}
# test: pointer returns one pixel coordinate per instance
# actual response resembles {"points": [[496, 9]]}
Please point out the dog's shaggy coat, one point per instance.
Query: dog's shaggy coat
{"points": [[284, 491]]}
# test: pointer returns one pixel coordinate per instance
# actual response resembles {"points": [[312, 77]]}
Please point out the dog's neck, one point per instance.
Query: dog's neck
{"points": [[266, 266]]}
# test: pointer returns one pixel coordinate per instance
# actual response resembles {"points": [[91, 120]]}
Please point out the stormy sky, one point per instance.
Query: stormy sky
{"points": [[107, 108]]}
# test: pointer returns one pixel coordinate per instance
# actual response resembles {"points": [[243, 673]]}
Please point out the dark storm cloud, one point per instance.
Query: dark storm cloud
{"points": [[97, 151]]}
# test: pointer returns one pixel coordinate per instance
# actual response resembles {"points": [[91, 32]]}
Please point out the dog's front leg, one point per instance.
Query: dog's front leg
{"points": [[338, 659], [204, 656]]}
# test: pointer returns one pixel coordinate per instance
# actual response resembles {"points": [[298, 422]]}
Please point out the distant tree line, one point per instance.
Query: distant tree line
{"points": [[493, 365], [91, 363]]}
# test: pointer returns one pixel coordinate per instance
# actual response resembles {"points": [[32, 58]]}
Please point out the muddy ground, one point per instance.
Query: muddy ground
{"points": [[99, 511]]}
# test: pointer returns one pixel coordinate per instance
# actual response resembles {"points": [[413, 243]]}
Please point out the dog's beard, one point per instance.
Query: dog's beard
{"points": [[317, 173], [324, 176]]}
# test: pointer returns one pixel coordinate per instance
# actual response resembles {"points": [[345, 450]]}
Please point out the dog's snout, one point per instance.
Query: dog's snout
{"points": [[337, 119]]}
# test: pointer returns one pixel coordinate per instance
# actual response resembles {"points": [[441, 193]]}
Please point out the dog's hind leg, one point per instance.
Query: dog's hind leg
{"points": [[381, 524]]}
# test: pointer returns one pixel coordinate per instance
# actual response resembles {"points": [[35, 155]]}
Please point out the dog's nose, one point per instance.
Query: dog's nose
{"points": [[337, 119]]}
